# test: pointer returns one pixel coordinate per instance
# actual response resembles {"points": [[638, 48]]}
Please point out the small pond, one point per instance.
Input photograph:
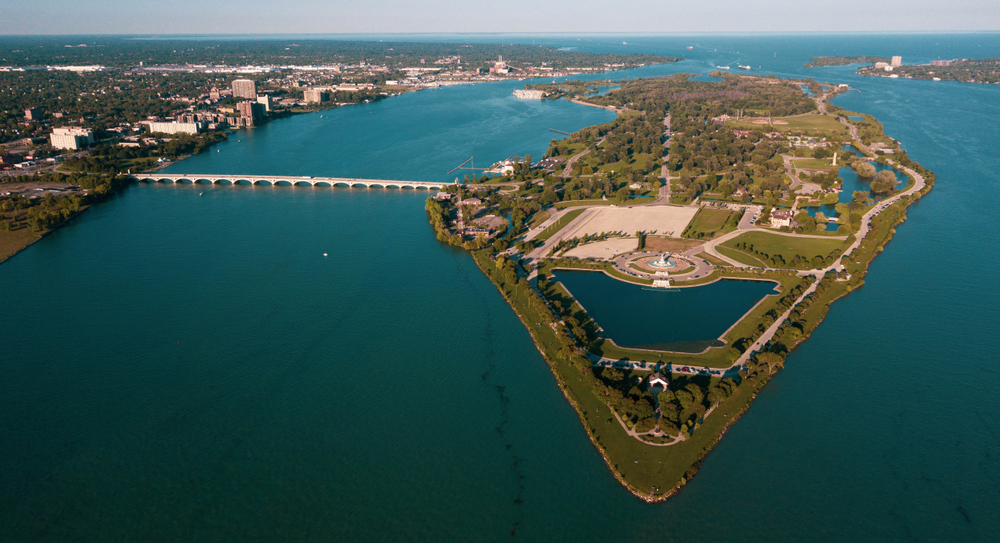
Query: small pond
{"points": [[853, 182], [683, 320]]}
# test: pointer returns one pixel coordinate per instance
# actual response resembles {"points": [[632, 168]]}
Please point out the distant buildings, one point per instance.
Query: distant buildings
{"points": [[71, 138], [882, 65], [941, 62], [897, 61], [500, 67], [33, 113], [176, 128], [245, 88]]}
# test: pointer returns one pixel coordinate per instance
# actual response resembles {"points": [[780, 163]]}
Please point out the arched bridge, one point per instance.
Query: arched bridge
{"points": [[274, 180]]}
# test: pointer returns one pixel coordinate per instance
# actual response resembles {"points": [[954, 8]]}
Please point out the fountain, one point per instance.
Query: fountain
{"points": [[664, 263]]}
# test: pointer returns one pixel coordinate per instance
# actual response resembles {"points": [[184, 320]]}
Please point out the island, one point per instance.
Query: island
{"points": [[817, 62], [983, 70], [964, 70], [755, 204]]}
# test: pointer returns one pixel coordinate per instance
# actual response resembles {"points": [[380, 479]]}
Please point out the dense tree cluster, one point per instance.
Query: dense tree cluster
{"points": [[120, 51]]}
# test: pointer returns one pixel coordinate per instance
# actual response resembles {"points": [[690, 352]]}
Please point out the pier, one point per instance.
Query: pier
{"points": [[274, 180]]}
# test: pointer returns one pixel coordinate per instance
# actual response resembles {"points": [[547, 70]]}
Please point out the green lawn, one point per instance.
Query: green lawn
{"points": [[709, 223], [577, 203], [559, 224], [538, 218], [784, 249], [810, 124], [740, 256]]}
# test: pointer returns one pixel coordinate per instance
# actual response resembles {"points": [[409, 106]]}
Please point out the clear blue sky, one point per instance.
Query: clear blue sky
{"points": [[372, 16]]}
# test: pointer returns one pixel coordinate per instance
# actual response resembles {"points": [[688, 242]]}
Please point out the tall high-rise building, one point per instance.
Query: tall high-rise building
{"points": [[245, 88], [266, 101], [252, 111], [897, 61]]}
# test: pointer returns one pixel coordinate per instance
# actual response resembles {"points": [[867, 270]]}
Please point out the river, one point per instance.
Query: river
{"points": [[191, 367]]}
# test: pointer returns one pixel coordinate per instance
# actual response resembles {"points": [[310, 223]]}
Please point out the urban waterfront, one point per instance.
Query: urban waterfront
{"points": [[186, 366]]}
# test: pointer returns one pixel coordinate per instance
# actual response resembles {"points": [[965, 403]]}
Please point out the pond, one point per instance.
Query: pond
{"points": [[829, 211], [853, 182], [682, 320]]}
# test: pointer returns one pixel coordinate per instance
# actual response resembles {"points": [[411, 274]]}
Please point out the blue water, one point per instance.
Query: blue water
{"points": [[636, 316], [852, 149], [853, 182], [184, 368], [829, 211]]}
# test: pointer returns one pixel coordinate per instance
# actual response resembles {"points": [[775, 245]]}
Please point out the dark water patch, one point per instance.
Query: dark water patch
{"points": [[633, 315]]}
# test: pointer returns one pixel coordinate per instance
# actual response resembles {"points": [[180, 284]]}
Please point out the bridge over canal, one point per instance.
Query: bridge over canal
{"points": [[274, 180]]}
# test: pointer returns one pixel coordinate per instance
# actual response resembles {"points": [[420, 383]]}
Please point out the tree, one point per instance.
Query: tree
{"points": [[884, 182], [863, 168]]}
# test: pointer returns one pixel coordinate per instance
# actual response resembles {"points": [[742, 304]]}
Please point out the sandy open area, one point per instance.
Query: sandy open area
{"points": [[604, 249], [664, 220]]}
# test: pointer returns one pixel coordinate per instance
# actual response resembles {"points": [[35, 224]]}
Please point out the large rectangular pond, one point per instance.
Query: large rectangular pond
{"points": [[681, 320]]}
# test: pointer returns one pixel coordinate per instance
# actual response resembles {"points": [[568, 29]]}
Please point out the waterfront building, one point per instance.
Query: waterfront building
{"points": [[191, 127], [71, 137], [252, 111], [266, 100], [881, 65], [941, 62], [245, 88], [315, 96], [897, 61]]}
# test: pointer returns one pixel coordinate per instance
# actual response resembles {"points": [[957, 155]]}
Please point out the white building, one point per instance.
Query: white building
{"points": [[176, 128], [781, 218], [897, 61], [658, 381], [71, 138], [267, 100]]}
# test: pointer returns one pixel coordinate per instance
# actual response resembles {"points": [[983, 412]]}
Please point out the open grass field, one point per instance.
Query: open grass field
{"points": [[740, 256], [538, 218], [674, 245], [709, 223], [559, 224], [812, 124], [785, 248], [13, 241], [577, 203]]}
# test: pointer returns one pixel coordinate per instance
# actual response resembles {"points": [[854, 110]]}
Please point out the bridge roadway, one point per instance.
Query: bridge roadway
{"points": [[291, 180]]}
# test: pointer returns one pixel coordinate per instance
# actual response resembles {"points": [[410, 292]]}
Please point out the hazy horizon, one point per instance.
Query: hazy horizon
{"points": [[194, 17]]}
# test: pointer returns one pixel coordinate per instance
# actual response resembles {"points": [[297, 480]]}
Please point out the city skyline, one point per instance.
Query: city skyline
{"points": [[517, 16]]}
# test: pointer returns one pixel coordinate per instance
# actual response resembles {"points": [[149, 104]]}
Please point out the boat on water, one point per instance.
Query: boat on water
{"points": [[690, 48], [744, 67], [723, 67]]}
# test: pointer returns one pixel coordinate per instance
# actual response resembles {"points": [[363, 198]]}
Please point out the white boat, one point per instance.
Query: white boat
{"points": [[744, 67], [723, 67]]}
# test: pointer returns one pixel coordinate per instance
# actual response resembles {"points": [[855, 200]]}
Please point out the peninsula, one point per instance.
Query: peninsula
{"points": [[695, 183], [964, 70]]}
